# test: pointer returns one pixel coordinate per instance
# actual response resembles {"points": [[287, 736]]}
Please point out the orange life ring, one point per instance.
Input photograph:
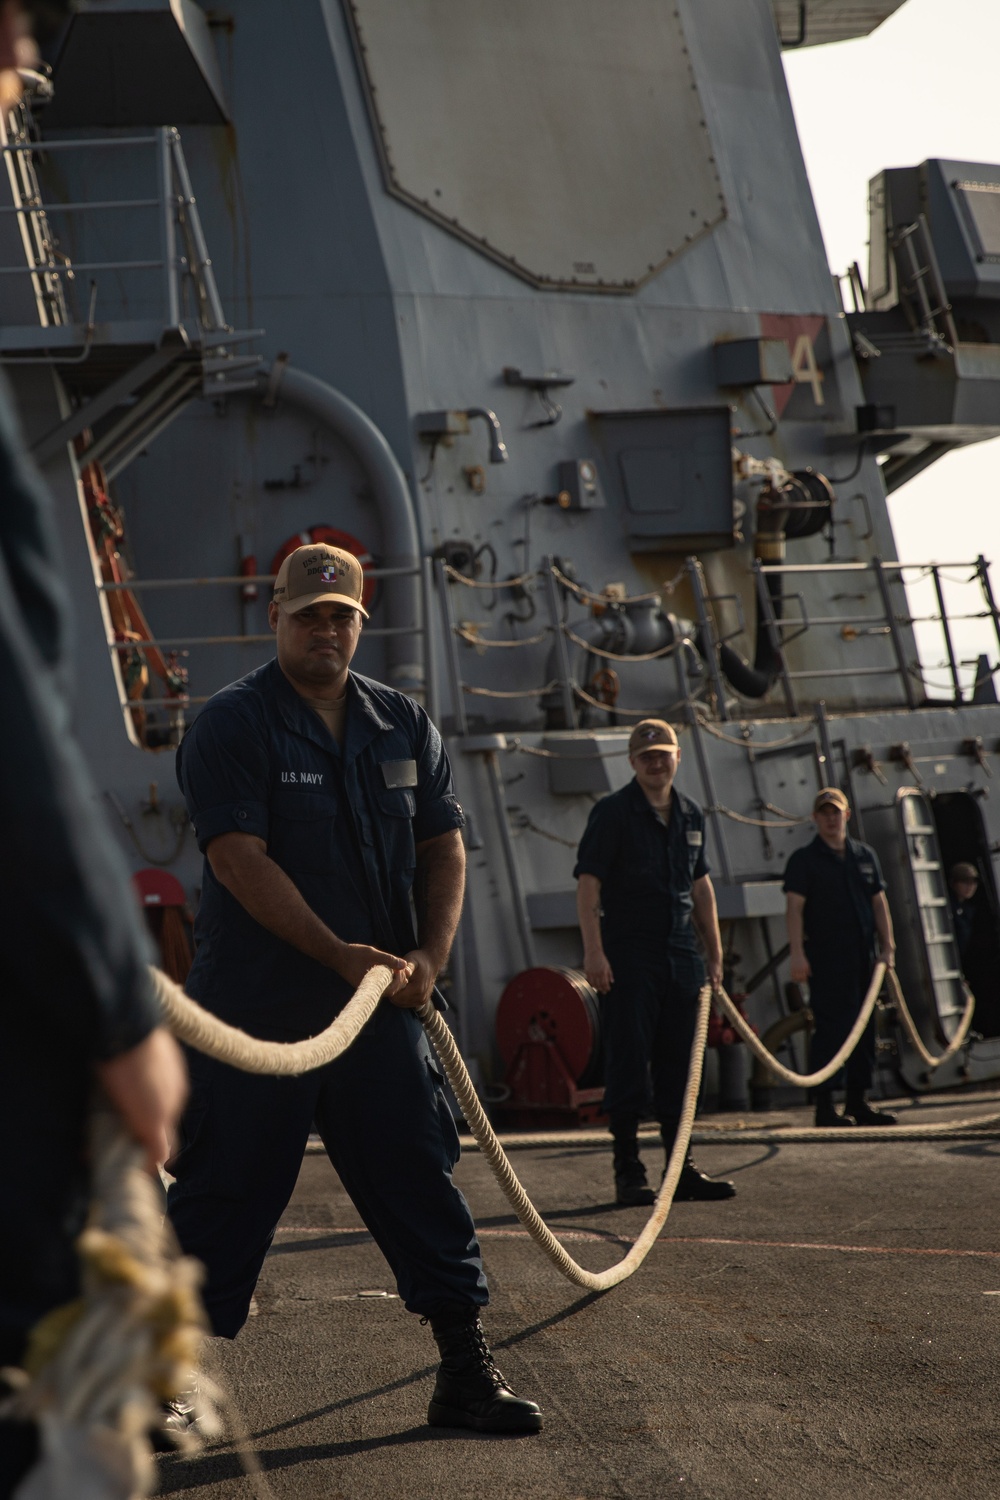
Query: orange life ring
{"points": [[333, 538]]}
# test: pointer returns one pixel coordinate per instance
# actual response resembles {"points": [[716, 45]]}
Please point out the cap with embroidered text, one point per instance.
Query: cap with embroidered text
{"points": [[650, 734], [319, 574], [831, 795]]}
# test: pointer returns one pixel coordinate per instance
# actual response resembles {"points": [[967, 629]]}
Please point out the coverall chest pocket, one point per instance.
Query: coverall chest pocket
{"points": [[302, 829]]}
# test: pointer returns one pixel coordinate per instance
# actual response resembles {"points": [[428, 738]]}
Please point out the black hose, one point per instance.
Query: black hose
{"points": [[757, 680], [801, 508]]}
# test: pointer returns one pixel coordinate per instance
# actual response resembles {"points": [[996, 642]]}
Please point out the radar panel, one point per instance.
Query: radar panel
{"points": [[981, 201], [565, 140]]}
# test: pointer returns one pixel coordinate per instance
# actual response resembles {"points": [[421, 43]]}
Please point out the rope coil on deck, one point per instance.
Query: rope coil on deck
{"points": [[228, 1044]]}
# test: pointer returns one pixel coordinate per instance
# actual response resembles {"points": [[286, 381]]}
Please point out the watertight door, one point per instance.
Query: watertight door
{"points": [[945, 985]]}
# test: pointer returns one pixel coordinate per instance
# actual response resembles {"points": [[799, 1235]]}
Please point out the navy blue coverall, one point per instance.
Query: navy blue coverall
{"points": [[839, 926], [342, 822], [74, 987], [648, 1018]]}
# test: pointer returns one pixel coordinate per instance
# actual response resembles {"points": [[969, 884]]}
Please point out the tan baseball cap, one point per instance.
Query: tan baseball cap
{"points": [[648, 734], [319, 574], [829, 794]]}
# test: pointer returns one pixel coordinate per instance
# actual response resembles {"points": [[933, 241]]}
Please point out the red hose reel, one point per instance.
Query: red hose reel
{"points": [[549, 1036]]}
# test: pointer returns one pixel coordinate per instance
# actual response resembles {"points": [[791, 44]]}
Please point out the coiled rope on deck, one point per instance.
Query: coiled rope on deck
{"points": [[229, 1044]]}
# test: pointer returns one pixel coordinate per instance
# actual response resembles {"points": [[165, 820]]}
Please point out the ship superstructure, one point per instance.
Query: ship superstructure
{"points": [[528, 304]]}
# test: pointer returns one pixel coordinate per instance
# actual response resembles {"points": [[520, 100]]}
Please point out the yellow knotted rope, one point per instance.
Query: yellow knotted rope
{"points": [[96, 1370]]}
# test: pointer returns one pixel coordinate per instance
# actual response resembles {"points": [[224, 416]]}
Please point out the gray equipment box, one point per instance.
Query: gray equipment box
{"points": [[670, 475]]}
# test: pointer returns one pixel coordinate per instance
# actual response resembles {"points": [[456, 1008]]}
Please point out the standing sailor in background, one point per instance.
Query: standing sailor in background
{"points": [[835, 905], [963, 887], [323, 801], [77, 1006], [641, 878]]}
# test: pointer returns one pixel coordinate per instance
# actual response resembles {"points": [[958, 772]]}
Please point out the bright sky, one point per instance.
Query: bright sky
{"points": [[924, 84]]}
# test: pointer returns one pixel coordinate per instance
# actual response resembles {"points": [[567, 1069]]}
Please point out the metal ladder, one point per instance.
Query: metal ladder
{"points": [[930, 893], [40, 245]]}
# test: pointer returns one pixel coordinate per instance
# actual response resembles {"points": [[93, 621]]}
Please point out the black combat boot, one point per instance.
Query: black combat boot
{"points": [[693, 1186], [631, 1187], [470, 1391], [858, 1106], [827, 1114]]}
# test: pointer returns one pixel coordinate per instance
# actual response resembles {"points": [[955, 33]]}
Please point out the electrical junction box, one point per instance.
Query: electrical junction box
{"points": [[579, 486]]}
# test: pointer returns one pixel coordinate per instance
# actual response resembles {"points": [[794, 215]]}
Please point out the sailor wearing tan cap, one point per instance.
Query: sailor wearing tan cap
{"points": [[835, 906], [323, 802], [643, 891]]}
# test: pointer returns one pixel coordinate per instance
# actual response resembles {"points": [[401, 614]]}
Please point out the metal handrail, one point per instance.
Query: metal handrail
{"points": [[72, 208], [171, 643], [233, 579], [43, 148], [183, 254], [60, 268], [890, 620]]}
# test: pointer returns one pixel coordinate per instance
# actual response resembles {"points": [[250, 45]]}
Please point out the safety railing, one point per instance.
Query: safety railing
{"points": [[560, 688], [693, 691], [891, 621], [76, 286], [705, 688], [177, 647]]}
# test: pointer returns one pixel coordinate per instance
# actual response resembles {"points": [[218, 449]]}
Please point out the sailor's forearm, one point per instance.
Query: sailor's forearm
{"points": [[269, 895], [438, 891], [706, 916], [883, 926], [588, 913]]}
